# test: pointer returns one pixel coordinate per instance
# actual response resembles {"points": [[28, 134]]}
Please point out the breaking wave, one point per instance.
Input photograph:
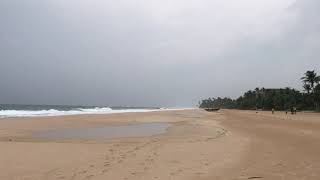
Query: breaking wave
{"points": [[78, 111]]}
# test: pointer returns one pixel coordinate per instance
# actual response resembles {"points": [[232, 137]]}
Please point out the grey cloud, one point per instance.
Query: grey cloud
{"points": [[152, 53]]}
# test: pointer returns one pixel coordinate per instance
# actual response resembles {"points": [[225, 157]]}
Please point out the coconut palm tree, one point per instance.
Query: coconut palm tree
{"points": [[317, 96], [307, 88], [311, 78]]}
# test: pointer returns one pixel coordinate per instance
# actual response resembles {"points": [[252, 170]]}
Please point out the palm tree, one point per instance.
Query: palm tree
{"points": [[307, 87], [311, 79], [317, 96]]}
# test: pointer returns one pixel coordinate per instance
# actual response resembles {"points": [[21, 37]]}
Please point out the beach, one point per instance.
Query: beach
{"points": [[223, 145]]}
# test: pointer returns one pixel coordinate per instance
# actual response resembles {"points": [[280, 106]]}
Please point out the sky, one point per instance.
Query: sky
{"points": [[167, 53]]}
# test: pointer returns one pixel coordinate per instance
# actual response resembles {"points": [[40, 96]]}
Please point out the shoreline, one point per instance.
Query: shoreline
{"points": [[22, 129], [4, 114]]}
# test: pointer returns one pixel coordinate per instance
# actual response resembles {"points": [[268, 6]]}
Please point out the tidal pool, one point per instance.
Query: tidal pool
{"points": [[108, 132]]}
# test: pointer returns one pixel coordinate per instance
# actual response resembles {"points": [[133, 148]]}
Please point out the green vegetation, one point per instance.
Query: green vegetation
{"points": [[280, 99]]}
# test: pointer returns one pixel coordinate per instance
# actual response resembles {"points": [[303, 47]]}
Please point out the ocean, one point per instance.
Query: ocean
{"points": [[13, 110]]}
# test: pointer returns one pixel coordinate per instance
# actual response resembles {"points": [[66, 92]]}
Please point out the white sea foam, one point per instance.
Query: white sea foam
{"points": [[79, 111]]}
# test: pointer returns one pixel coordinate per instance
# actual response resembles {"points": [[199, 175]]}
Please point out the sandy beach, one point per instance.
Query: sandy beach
{"points": [[220, 145]]}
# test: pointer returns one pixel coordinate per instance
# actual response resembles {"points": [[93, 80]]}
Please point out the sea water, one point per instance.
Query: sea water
{"points": [[59, 110], [8, 110]]}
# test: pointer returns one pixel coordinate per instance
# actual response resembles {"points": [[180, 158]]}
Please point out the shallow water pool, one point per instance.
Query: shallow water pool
{"points": [[109, 132]]}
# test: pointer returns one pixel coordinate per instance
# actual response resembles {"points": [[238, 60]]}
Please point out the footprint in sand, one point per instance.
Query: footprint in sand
{"points": [[90, 176], [105, 171], [255, 177], [155, 140], [106, 164], [177, 172]]}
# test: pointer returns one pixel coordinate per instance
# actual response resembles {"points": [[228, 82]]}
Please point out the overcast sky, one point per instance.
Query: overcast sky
{"points": [[152, 52]]}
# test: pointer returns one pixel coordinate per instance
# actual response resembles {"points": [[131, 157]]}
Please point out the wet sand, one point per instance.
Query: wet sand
{"points": [[198, 145]]}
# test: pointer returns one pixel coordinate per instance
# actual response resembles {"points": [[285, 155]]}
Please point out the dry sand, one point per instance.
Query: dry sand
{"points": [[225, 145]]}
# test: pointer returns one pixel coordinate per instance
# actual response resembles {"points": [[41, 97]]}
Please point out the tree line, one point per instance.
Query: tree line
{"points": [[279, 99]]}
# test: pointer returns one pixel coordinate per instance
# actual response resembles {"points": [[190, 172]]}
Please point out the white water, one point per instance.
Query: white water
{"points": [[54, 112]]}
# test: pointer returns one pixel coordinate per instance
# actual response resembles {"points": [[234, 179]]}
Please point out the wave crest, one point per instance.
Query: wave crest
{"points": [[55, 112]]}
